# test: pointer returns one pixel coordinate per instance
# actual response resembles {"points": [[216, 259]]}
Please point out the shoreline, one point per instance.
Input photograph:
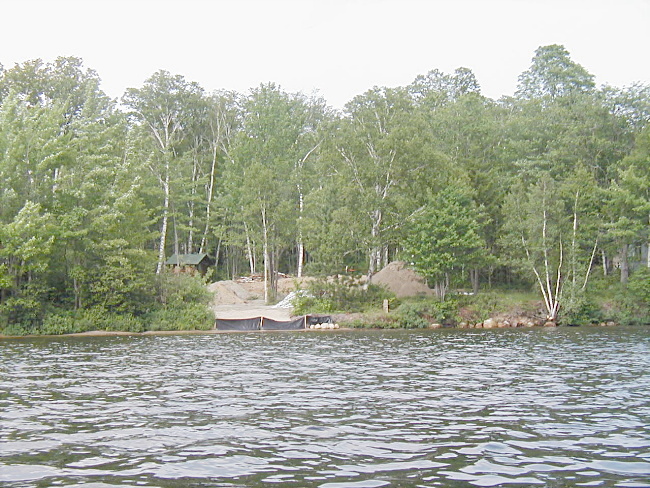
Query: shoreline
{"points": [[153, 333], [115, 333]]}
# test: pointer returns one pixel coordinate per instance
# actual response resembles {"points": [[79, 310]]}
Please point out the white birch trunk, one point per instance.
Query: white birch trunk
{"points": [[375, 252], [163, 229], [249, 251], [301, 245], [267, 258], [208, 205], [301, 257]]}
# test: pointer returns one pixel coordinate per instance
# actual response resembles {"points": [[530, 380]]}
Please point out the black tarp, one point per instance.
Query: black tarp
{"points": [[270, 324], [239, 324], [318, 319]]}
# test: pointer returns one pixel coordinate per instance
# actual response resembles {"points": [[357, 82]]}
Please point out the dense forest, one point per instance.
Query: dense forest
{"points": [[547, 189]]}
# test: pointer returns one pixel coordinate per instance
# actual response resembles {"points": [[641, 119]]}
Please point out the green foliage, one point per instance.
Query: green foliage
{"points": [[375, 321], [93, 199], [444, 237], [124, 284], [553, 74], [183, 304], [634, 300], [579, 307], [423, 313], [22, 312], [639, 286], [62, 323], [411, 316], [178, 288], [12, 329], [340, 294], [185, 316], [480, 306]]}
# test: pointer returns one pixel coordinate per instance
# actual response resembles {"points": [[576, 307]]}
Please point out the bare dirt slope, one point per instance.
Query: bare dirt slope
{"points": [[401, 280], [244, 298]]}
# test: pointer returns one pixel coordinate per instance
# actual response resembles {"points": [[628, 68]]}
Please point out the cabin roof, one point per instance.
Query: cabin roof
{"points": [[187, 259]]}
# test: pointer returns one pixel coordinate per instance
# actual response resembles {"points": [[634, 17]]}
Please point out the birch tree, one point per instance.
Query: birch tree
{"points": [[372, 148], [269, 154], [536, 238], [162, 110]]}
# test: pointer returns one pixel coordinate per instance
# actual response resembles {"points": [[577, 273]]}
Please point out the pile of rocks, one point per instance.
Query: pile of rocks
{"points": [[324, 325], [503, 323]]}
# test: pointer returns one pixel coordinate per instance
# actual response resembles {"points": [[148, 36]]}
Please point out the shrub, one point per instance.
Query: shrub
{"points": [[61, 323], [178, 288], [482, 305], [12, 330], [422, 313], [632, 303], [188, 316], [123, 323], [639, 286], [577, 308], [410, 316], [22, 313], [345, 294]]}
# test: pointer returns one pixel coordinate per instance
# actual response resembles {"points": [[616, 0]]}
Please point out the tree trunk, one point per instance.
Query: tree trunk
{"points": [[375, 251], [625, 267], [249, 251], [77, 293], [177, 247], [216, 255], [208, 205], [192, 203], [301, 257], [301, 245], [474, 276], [574, 253], [268, 266], [441, 287], [190, 222], [163, 229], [648, 249]]}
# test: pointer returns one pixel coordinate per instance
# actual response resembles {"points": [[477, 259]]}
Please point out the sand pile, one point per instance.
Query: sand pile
{"points": [[402, 281], [246, 290], [244, 298], [228, 292]]}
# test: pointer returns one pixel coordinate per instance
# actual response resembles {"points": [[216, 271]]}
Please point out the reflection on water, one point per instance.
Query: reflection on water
{"points": [[556, 408]]}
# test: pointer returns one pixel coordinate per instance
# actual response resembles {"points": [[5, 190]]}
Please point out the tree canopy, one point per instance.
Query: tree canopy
{"points": [[542, 188]]}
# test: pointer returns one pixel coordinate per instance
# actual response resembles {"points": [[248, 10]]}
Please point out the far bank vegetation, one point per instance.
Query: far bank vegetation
{"points": [[545, 194]]}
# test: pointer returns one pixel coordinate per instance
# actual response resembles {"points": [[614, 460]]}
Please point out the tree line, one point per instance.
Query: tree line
{"points": [[547, 187]]}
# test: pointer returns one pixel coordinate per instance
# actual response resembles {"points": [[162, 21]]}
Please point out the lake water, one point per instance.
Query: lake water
{"points": [[450, 408]]}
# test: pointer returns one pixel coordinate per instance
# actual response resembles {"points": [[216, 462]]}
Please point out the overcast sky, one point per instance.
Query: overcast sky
{"points": [[337, 48]]}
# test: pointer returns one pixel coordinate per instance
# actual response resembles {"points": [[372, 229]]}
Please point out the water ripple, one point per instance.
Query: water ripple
{"points": [[564, 407]]}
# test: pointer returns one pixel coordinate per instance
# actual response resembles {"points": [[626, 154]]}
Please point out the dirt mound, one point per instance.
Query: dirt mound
{"points": [[228, 292], [400, 280], [244, 298], [250, 289]]}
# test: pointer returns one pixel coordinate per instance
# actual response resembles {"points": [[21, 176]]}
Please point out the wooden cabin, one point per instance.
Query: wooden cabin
{"points": [[190, 263]]}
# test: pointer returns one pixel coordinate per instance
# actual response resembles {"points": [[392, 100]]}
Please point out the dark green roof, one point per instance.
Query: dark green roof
{"points": [[186, 259]]}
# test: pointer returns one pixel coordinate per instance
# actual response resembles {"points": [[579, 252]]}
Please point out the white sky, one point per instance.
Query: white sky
{"points": [[338, 48]]}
